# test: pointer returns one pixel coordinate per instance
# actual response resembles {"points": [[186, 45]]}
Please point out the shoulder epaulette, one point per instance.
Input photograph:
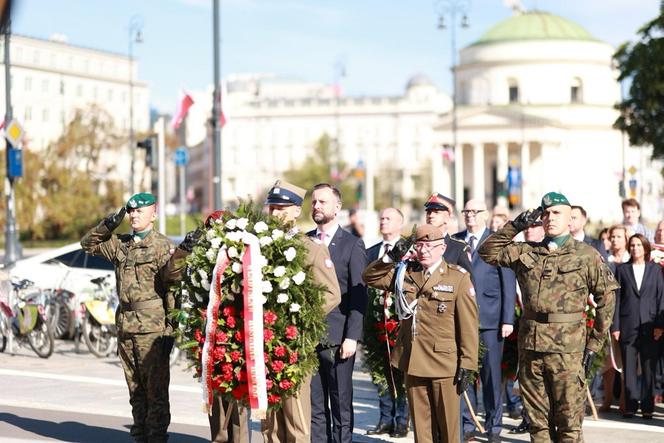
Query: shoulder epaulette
{"points": [[457, 267], [458, 240]]}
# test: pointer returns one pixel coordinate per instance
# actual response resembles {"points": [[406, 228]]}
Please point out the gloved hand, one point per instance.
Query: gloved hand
{"points": [[114, 220], [588, 357], [462, 379], [191, 239], [399, 249], [527, 218]]}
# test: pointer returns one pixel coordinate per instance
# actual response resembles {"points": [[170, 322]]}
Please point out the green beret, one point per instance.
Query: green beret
{"points": [[554, 199], [141, 200]]}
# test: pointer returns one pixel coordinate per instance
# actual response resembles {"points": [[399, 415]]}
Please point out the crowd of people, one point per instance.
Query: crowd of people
{"points": [[533, 276]]}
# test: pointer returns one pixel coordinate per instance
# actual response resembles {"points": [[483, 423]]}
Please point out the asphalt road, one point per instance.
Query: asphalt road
{"points": [[79, 398]]}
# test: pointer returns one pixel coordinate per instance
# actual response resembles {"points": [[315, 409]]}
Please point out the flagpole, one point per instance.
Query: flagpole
{"points": [[216, 99]]}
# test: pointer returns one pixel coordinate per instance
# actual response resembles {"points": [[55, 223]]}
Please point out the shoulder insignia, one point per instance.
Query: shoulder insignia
{"points": [[457, 267], [471, 292], [328, 263]]}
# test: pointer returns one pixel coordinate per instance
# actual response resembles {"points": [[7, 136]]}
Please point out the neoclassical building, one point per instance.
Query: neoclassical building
{"points": [[536, 96]]}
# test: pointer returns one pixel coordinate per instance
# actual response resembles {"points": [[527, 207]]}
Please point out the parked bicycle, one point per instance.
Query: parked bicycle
{"points": [[24, 318], [98, 318]]}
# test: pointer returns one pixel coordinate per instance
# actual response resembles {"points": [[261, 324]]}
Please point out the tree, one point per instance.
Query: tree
{"points": [[642, 113], [317, 169], [66, 188]]}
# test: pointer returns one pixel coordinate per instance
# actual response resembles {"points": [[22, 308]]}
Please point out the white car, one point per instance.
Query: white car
{"points": [[68, 267]]}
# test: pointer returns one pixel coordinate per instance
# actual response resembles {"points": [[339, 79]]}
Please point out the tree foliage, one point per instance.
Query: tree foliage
{"points": [[642, 112], [318, 167], [66, 188]]}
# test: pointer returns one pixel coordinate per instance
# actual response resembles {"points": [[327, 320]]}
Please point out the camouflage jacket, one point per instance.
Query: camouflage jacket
{"points": [[556, 282], [144, 296]]}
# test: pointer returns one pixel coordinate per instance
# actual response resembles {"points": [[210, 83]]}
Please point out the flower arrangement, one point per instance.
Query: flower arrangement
{"points": [[381, 327], [214, 309]]}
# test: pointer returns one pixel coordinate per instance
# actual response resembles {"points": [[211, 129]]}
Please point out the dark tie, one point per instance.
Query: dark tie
{"points": [[472, 243], [386, 248]]}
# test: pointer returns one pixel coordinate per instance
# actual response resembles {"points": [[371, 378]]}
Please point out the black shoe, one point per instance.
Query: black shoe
{"points": [[400, 431], [381, 428], [468, 436], [521, 429], [515, 414], [493, 438]]}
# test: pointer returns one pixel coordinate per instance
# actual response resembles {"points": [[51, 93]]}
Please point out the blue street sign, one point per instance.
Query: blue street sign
{"points": [[181, 156], [14, 162]]}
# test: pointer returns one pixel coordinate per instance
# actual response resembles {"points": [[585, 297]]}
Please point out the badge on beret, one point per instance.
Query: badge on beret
{"points": [[442, 307]]}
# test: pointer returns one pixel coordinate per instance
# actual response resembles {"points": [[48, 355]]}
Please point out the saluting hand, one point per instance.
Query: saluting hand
{"points": [[191, 239], [527, 218], [114, 220]]}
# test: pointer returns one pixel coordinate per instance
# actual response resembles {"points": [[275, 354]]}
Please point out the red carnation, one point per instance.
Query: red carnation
{"points": [[266, 357], [277, 366], [227, 376], [291, 332], [391, 325], [269, 318], [590, 323], [216, 382], [285, 384], [293, 358], [228, 311], [219, 352], [226, 368], [273, 399], [268, 335], [392, 342], [238, 336], [198, 336], [280, 351], [269, 384], [241, 376], [230, 322], [235, 355], [240, 391], [221, 337]]}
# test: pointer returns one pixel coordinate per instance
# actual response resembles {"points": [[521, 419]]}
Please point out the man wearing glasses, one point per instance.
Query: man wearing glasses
{"points": [[496, 293], [439, 209], [438, 340]]}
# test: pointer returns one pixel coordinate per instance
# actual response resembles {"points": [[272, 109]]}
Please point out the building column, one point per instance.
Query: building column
{"points": [[525, 171], [501, 173], [479, 190], [458, 174]]}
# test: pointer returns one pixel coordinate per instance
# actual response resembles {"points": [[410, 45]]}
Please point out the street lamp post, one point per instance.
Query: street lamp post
{"points": [[135, 36], [453, 9]]}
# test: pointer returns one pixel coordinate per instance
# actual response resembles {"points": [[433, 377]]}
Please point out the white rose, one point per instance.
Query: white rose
{"points": [[194, 282], [294, 307], [210, 234], [262, 261], [284, 284], [232, 252], [230, 224], [266, 287], [381, 300], [279, 271], [260, 227], [198, 297], [203, 275], [389, 301], [290, 253], [282, 298], [277, 233], [262, 299], [215, 242], [235, 236], [299, 278], [211, 254], [205, 284], [229, 297], [264, 241], [242, 223], [236, 267]]}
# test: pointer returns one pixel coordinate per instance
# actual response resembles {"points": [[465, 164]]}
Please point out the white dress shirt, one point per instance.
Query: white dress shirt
{"points": [[328, 234]]}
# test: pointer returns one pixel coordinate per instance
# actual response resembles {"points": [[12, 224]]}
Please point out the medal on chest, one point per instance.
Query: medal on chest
{"points": [[442, 307]]}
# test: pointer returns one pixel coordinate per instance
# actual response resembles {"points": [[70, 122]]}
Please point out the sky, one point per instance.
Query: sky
{"points": [[382, 43]]}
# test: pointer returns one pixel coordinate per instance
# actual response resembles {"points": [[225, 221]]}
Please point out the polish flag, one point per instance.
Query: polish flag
{"points": [[222, 117], [448, 154], [181, 111]]}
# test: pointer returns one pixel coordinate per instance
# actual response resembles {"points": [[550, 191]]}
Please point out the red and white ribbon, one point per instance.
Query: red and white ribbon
{"points": [[253, 327], [211, 316]]}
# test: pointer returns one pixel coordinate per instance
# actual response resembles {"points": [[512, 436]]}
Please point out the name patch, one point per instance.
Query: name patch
{"points": [[444, 288]]}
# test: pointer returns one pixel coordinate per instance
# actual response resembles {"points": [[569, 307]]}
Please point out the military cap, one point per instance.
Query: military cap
{"points": [[285, 194], [141, 200], [439, 201], [554, 199], [428, 233]]}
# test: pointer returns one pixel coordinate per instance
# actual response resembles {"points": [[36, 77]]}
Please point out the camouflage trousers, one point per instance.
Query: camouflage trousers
{"points": [[553, 392], [144, 359]]}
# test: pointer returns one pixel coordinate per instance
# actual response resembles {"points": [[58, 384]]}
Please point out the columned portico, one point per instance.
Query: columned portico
{"points": [[478, 189]]}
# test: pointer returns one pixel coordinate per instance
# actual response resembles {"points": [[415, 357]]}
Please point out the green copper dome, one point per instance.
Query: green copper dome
{"points": [[534, 25]]}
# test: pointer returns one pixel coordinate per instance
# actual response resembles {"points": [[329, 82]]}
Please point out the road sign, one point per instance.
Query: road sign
{"points": [[632, 170], [14, 133], [181, 156]]}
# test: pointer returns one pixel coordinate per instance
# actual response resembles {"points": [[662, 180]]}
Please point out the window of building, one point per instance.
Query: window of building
{"points": [[28, 114], [45, 115], [576, 91], [28, 84], [35, 57], [45, 86], [79, 90], [513, 91]]}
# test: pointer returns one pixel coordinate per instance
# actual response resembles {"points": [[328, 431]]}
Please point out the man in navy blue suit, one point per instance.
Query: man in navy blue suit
{"points": [[332, 385], [577, 224], [496, 295]]}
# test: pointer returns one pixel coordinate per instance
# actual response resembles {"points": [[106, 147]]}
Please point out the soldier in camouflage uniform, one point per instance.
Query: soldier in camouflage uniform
{"points": [[556, 277], [144, 337]]}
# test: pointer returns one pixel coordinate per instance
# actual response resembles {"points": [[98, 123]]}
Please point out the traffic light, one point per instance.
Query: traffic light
{"points": [[150, 152]]}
